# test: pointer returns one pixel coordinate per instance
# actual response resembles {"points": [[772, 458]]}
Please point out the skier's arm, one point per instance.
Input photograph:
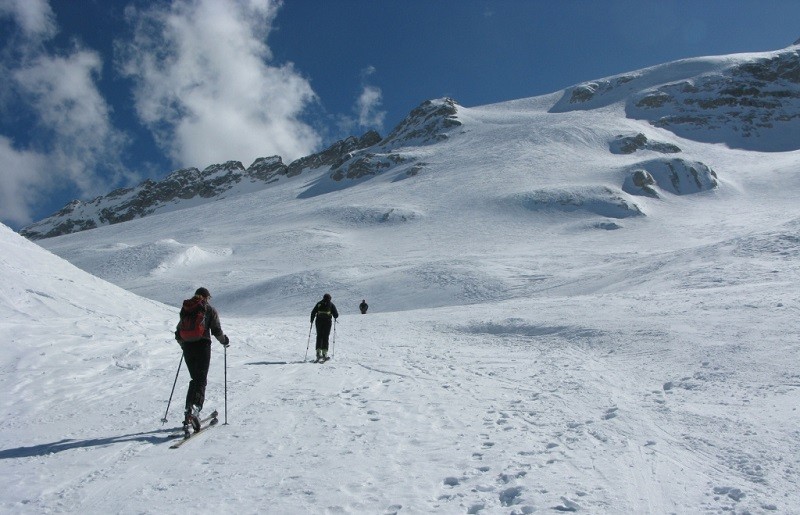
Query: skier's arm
{"points": [[215, 326]]}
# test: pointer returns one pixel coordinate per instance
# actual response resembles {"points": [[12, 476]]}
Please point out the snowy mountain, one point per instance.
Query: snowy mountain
{"points": [[185, 188], [580, 302], [746, 101]]}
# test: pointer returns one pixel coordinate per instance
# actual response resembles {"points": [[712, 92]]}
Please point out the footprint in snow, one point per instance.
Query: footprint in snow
{"points": [[510, 496], [610, 413], [451, 481]]}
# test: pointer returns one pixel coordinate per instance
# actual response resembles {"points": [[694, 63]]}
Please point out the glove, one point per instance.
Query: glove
{"points": [[178, 337], [227, 342]]}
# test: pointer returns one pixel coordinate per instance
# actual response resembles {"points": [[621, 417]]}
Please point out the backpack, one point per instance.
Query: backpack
{"points": [[192, 326]]}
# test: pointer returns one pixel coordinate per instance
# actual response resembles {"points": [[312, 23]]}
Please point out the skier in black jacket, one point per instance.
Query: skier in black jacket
{"points": [[323, 311]]}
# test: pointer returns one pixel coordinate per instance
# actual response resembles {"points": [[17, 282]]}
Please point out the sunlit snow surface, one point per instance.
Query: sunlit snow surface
{"points": [[538, 339]]}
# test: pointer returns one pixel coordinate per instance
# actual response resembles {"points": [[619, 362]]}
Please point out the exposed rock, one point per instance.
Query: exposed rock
{"points": [[426, 124], [630, 144], [749, 105], [365, 164], [333, 154], [267, 169], [642, 182], [150, 196], [587, 91], [597, 200], [744, 102], [676, 176]]}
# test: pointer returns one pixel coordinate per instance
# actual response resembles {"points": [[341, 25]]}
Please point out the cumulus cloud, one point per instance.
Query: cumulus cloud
{"points": [[74, 137], [205, 88], [366, 108], [35, 18], [369, 103], [25, 180], [62, 91]]}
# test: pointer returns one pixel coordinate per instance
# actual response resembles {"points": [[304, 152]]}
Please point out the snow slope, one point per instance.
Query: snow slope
{"points": [[541, 337]]}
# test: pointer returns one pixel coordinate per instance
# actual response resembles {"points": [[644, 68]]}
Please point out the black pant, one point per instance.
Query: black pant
{"points": [[198, 358], [323, 332]]}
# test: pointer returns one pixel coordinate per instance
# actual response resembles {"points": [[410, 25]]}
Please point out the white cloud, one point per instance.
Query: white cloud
{"points": [[75, 144], [34, 17], [204, 86], [25, 180], [63, 93], [367, 106]]}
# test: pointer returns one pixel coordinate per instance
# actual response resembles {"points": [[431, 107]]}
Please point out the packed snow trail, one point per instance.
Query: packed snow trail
{"points": [[623, 411]]}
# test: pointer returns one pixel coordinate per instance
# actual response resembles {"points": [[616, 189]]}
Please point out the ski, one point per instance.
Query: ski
{"points": [[206, 423]]}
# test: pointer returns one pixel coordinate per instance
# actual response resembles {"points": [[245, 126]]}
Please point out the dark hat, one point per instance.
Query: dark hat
{"points": [[327, 296], [203, 292]]}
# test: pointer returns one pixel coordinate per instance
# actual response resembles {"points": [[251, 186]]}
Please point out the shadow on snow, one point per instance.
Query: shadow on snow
{"points": [[153, 437]]}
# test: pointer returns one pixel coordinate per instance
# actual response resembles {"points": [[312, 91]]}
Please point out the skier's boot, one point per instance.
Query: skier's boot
{"points": [[187, 422], [196, 417], [191, 419]]}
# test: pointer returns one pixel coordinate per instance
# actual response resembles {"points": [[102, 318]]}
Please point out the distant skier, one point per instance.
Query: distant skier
{"points": [[199, 320], [363, 307], [324, 311]]}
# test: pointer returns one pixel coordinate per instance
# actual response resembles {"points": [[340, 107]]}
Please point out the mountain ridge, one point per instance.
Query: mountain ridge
{"points": [[749, 101]]}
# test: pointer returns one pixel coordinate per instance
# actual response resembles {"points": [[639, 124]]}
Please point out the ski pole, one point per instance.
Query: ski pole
{"points": [[226, 385], [309, 340], [164, 420], [333, 343]]}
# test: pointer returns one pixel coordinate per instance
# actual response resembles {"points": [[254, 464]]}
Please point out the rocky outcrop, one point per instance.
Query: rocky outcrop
{"points": [[351, 158], [429, 123], [630, 144], [584, 93], [744, 101], [334, 154], [676, 176], [751, 105], [185, 184], [593, 200]]}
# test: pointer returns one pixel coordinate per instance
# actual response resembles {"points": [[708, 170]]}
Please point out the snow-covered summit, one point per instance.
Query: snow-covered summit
{"points": [[749, 101]]}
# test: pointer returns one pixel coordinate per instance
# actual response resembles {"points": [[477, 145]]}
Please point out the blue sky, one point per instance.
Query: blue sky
{"points": [[100, 94]]}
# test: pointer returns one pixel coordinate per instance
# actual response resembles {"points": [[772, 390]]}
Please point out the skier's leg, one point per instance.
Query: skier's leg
{"points": [[325, 332], [198, 358]]}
